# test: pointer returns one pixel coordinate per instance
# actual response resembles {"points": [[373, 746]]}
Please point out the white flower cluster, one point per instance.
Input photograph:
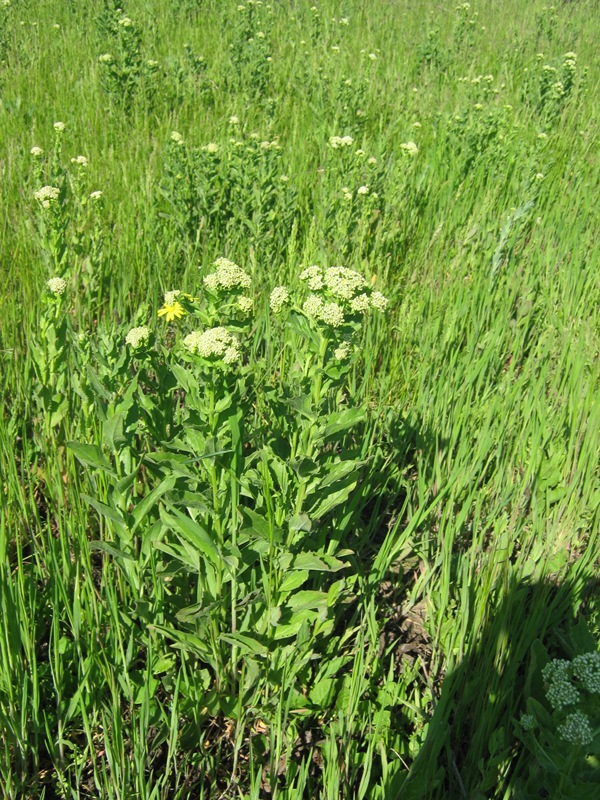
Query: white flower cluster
{"points": [[313, 277], [57, 285], [279, 298], [560, 691], [176, 137], [138, 337], [528, 722], [379, 301], [341, 352], [170, 297], [36, 151], [343, 282], [576, 729], [47, 195], [80, 160], [329, 313], [96, 195], [214, 343], [245, 304], [360, 304], [105, 58], [59, 127], [227, 276], [340, 141], [586, 668], [410, 148], [348, 289]]}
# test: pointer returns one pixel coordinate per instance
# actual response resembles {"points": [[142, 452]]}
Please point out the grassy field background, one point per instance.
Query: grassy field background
{"points": [[478, 138]]}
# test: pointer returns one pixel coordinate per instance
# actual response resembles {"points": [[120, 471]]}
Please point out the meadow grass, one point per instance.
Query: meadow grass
{"points": [[455, 509]]}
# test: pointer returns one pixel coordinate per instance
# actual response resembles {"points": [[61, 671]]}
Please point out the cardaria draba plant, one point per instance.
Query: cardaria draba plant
{"points": [[255, 456], [561, 727]]}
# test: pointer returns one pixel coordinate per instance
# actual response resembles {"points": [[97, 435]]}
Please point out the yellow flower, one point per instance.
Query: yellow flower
{"points": [[172, 311]]}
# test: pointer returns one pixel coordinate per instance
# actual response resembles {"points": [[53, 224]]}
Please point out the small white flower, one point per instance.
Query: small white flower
{"points": [[245, 304], [96, 195], [57, 286], [372, 56], [233, 120], [126, 22], [36, 152], [344, 283], [138, 337], [360, 304], [313, 276], [278, 299], [410, 148], [227, 276], [362, 190], [283, 178], [378, 301], [176, 137], [340, 141], [372, 161], [59, 127], [212, 147], [528, 722], [587, 669], [341, 352], [260, 35], [47, 195], [105, 58], [332, 314], [214, 343], [576, 729], [80, 161], [152, 63], [312, 306], [171, 297]]}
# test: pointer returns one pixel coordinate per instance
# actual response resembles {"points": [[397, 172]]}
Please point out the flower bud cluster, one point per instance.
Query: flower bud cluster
{"points": [[214, 343], [338, 293], [138, 337], [227, 277]]}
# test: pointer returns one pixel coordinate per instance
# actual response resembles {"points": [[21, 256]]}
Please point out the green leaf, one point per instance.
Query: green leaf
{"points": [[246, 643], [91, 456], [300, 601], [341, 421], [193, 533], [145, 506], [332, 500], [317, 563], [300, 522], [293, 580], [112, 432], [110, 550], [108, 513]]}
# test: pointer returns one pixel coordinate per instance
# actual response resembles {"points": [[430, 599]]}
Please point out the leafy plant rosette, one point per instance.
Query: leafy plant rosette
{"points": [[561, 726], [238, 472]]}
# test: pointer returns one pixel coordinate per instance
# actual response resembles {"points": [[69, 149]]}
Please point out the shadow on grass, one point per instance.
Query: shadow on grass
{"points": [[471, 750]]}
